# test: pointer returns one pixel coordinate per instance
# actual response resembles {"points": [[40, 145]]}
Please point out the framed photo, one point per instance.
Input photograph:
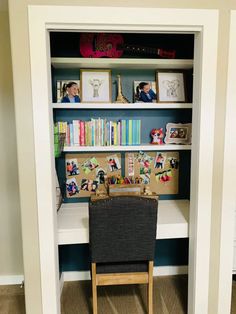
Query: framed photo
{"points": [[61, 88], [95, 85], [137, 90], [170, 86], [178, 133]]}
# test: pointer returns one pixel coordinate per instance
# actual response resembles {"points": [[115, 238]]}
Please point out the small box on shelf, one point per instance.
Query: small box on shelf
{"points": [[124, 189]]}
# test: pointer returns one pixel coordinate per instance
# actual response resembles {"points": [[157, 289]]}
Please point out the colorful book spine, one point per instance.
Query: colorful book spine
{"points": [[130, 138], [82, 133], [123, 132]]}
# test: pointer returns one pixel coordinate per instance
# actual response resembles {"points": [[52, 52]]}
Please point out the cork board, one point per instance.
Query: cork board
{"points": [[87, 172], [158, 170]]}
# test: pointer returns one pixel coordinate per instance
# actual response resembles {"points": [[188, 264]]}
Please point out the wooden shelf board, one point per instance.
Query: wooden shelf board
{"points": [[128, 106], [72, 221], [120, 63], [129, 148]]}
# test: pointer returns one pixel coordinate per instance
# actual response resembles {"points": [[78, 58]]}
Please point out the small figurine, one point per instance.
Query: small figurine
{"points": [[147, 191], [157, 136]]}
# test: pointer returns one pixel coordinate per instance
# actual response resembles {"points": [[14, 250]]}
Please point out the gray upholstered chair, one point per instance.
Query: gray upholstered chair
{"points": [[122, 234]]}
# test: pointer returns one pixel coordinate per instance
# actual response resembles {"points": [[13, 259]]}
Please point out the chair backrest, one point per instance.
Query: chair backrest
{"points": [[122, 229]]}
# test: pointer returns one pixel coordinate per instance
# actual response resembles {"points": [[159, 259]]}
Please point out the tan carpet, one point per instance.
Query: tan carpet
{"points": [[12, 300], [170, 297]]}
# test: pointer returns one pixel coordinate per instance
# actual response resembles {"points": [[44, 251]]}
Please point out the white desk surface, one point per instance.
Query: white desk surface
{"points": [[172, 222]]}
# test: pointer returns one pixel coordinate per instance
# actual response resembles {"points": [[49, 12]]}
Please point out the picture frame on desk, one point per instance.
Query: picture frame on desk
{"points": [[178, 133], [95, 86], [171, 86]]}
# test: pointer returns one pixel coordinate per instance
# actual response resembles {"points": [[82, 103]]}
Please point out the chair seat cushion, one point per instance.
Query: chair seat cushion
{"points": [[107, 268]]}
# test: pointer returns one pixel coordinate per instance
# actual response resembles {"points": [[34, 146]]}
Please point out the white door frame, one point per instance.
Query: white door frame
{"points": [[228, 208], [204, 24]]}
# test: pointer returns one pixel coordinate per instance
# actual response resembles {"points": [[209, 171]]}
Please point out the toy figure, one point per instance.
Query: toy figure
{"points": [[145, 93], [157, 136]]}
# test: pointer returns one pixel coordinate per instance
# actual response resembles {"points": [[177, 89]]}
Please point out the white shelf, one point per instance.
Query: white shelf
{"points": [[127, 63], [128, 106], [130, 148], [72, 221]]}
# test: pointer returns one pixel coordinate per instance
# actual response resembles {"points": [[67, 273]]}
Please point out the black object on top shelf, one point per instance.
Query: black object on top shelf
{"points": [[67, 44]]}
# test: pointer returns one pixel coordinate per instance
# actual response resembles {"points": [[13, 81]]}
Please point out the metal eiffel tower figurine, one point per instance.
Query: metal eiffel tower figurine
{"points": [[120, 97]]}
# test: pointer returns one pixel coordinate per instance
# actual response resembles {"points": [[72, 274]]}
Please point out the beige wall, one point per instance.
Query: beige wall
{"points": [[11, 262], [21, 67]]}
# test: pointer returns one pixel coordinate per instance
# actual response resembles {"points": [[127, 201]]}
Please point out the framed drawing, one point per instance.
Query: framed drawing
{"points": [[178, 133], [95, 85], [61, 88], [170, 86]]}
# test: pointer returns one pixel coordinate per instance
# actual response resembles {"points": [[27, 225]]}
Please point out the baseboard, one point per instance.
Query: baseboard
{"points": [[11, 280], [170, 270], [158, 271]]}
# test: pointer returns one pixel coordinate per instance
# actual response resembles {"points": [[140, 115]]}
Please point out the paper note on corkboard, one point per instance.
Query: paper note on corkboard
{"points": [[158, 170], [86, 172]]}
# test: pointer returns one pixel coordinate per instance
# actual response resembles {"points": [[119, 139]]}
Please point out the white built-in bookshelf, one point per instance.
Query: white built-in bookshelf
{"points": [[173, 215]]}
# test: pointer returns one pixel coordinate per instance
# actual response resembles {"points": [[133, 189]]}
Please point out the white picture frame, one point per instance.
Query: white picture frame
{"points": [[170, 86], [178, 133], [95, 85]]}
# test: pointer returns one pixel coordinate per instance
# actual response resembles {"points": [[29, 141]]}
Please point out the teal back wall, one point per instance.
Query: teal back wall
{"points": [[169, 252]]}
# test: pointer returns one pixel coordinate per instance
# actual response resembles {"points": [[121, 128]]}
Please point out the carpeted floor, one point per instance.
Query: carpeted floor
{"points": [[170, 297]]}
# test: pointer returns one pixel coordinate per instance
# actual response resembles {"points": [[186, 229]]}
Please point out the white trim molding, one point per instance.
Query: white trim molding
{"points": [[11, 280], [157, 271], [228, 209], [204, 25]]}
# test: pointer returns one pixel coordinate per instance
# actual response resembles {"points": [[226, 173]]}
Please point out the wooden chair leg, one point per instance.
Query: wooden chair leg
{"points": [[94, 289], [150, 288]]}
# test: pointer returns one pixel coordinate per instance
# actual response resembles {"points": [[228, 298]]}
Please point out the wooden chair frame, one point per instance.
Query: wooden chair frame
{"points": [[120, 279]]}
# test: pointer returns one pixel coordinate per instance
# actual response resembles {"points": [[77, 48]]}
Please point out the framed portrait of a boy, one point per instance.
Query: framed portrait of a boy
{"points": [[95, 85], [170, 86]]}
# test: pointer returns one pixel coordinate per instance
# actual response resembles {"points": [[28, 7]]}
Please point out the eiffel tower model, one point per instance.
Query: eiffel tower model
{"points": [[120, 97]]}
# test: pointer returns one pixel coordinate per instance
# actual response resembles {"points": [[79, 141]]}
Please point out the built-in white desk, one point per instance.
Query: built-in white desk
{"points": [[172, 222]]}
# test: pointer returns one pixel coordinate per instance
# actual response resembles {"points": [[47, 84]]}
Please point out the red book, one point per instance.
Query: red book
{"points": [[82, 133]]}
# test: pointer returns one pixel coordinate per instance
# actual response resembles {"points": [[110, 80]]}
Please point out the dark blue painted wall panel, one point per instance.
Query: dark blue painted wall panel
{"points": [[168, 252]]}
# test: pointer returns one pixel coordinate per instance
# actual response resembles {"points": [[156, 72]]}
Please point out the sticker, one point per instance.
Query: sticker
{"points": [[71, 186], [113, 163], [72, 168], [130, 165], [89, 165], [89, 185], [159, 161], [100, 175]]}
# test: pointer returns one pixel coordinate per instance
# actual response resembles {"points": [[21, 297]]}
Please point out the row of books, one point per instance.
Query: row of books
{"points": [[100, 132]]}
